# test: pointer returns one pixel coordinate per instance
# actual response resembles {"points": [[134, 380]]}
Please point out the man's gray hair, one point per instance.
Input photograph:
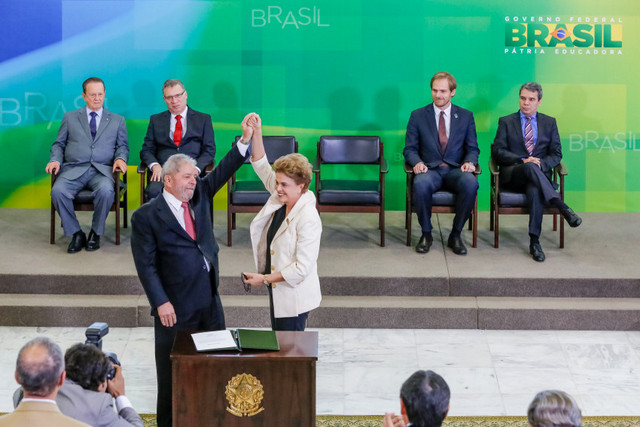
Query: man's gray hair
{"points": [[552, 408], [532, 87], [173, 164], [172, 83], [40, 377]]}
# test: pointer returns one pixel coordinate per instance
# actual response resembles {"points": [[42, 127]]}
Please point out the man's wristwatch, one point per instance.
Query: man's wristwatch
{"points": [[243, 141]]}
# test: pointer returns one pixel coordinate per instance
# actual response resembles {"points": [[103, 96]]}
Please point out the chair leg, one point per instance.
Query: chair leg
{"points": [[118, 220], [124, 210], [561, 219], [555, 222], [496, 228], [491, 224], [229, 221], [52, 231], [381, 224], [407, 225], [474, 233]]}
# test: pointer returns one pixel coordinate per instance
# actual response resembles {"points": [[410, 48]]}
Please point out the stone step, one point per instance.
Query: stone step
{"points": [[347, 286], [344, 312]]}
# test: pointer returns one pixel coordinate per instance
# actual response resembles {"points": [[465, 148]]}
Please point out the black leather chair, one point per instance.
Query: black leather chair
{"points": [[507, 202], [442, 202], [353, 195], [84, 202], [248, 196]]}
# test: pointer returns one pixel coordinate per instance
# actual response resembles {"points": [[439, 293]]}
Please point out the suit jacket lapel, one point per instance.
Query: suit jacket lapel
{"points": [[431, 123], [84, 122], [453, 124], [104, 122], [518, 124], [166, 214], [166, 125]]}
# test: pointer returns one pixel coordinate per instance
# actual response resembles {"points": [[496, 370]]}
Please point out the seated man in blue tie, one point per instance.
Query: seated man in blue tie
{"points": [[180, 129], [442, 147], [92, 144], [527, 148]]}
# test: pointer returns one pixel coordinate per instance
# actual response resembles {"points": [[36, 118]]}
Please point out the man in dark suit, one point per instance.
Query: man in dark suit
{"points": [[442, 147], [91, 145], [527, 148], [194, 137], [176, 256]]}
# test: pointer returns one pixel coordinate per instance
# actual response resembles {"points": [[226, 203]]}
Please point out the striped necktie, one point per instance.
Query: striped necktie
{"points": [[528, 135]]}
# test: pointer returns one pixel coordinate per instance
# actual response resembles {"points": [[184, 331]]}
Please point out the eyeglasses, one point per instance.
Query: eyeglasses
{"points": [[172, 97]]}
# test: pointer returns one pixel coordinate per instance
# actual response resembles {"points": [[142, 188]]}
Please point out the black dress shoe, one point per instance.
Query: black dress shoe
{"points": [[536, 251], [572, 218], [93, 243], [455, 243], [424, 244], [78, 241]]}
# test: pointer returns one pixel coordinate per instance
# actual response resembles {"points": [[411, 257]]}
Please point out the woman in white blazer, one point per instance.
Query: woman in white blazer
{"points": [[285, 236]]}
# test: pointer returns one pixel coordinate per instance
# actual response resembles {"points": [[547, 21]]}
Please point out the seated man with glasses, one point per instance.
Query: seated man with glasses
{"points": [[177, 130]]}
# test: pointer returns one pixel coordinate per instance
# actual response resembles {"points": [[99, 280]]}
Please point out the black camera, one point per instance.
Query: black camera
{"points": [[94, 334]]}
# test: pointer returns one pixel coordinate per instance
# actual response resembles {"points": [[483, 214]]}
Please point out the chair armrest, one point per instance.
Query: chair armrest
{"points": [[561, 169], [316, 165], [142, 168], [384, 166], [408, 169], [493, 168], [478, 170]]}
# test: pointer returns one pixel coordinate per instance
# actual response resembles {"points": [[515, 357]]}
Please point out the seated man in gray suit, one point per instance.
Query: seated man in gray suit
{"points": [[194, 135], [91, 145], [91, 385]]}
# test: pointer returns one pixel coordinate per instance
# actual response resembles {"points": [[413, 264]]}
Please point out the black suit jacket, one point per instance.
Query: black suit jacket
{"points": [[198, 141], [170, 263], [508, 147], [422, 143]]}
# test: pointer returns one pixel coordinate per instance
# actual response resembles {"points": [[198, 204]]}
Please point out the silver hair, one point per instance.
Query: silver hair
{"points": [[554, 408], [40, 377], [173, 164], [533, 87], [172, 83]]}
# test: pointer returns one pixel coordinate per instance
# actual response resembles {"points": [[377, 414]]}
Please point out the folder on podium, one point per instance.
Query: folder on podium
{"points": [[239, 339]]}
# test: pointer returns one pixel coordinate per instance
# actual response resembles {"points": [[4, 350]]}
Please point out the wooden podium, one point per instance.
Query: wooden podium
{"points": [[247, 388]]}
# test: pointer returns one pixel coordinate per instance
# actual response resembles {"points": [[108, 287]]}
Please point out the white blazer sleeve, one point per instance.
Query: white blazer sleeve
{"points": [[266, 174]]}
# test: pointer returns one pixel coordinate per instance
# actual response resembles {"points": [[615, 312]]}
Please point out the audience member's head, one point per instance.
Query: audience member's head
{"points": [[554, 408], [87, 366], [40, 368], [425, 399]]}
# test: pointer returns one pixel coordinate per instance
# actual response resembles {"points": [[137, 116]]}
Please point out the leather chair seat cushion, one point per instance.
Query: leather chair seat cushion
{"points": [[514, 199], [86, 196], [249, 193], [349, 192], [443, 198]]}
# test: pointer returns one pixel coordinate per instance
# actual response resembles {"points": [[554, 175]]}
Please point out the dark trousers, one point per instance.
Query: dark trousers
{"points": [[528, 177], [211, 319], [296, 323], [463, 184], [154, 189]]}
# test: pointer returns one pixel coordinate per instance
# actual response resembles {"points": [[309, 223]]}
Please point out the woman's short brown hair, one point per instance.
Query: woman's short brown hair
{"points": [[295, 166]]}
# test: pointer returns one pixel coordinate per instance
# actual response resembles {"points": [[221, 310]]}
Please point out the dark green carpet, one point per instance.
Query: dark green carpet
{"points": [[376, 421]]}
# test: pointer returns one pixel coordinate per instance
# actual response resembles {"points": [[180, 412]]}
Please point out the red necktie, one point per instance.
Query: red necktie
{"points": [[528, 135], [442, 132], [177, 133], [189, 226]]}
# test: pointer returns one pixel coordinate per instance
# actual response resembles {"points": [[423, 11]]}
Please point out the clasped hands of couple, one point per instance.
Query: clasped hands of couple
{"points": [[250, 124]]}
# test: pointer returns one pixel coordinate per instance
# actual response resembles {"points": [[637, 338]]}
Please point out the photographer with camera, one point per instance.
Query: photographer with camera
{"points": [[92, 383]]}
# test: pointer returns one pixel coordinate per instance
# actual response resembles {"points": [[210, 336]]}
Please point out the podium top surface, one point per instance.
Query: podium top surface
{"points": [[293, 345]]}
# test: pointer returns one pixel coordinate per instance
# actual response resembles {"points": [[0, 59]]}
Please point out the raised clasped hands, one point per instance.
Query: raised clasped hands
{"points": [[250, 124]]}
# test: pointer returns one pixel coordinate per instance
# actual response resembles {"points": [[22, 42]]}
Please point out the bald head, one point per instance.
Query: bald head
{"points": [[40, 368]]}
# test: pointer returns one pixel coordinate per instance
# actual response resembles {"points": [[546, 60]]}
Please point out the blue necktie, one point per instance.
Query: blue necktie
{"points": [[92, 124]]}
